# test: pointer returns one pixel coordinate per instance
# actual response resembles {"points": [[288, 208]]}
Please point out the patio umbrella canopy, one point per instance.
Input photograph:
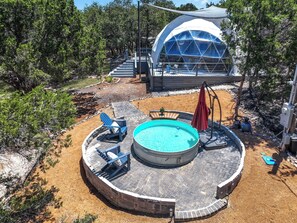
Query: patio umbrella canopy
{"points": [[200, 118]]}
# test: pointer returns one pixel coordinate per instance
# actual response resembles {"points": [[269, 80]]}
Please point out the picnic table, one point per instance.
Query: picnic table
{"points": [[166, 115]]}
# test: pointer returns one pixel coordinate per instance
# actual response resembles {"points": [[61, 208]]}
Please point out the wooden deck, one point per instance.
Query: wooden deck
{"points": [[166, 115]]}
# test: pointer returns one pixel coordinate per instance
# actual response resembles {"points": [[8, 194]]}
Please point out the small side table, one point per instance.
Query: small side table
{"points": [[166, 115]]}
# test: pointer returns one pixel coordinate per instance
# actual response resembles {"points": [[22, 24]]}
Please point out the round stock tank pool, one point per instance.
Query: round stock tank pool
{"points": [[167, 143]]}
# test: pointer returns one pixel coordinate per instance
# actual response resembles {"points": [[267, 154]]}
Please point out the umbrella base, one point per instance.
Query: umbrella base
{"points": [[216, 142]]}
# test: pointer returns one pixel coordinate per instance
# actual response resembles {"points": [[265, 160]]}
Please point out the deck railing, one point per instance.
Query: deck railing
{"points": [[192, 68]]}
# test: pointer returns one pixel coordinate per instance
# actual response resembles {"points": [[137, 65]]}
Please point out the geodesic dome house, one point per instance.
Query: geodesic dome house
{"points": [[193, 44]]}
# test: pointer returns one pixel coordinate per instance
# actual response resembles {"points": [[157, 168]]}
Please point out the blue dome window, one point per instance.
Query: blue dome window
{"points": [[205, 51]]}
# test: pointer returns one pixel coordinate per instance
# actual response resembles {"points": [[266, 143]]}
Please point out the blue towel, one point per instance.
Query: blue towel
{"points": [[268, 160]]}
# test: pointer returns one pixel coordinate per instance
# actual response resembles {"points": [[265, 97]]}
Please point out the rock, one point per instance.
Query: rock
{"points": [[14, 164], [3, 190]]}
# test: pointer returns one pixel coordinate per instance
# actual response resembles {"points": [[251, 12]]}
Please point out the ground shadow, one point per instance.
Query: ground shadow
{"points": [[101, 197], [278, 160], [284, 170], [289, 171], [252, 140], [105, 138], [92, 189]]}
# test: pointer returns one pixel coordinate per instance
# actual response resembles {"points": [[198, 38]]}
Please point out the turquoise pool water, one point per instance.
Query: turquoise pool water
{"points": [[166, 136]]}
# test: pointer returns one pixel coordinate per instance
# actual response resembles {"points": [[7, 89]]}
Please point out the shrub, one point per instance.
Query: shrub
{"points": [[109, 79], [32, 120], [88, 218]]}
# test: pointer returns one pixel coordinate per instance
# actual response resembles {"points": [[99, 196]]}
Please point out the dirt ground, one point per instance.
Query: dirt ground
{"points": [[264, 194], [89, 100]]}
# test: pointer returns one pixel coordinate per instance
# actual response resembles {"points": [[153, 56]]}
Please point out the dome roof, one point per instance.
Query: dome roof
{"points": [[181, 24]]}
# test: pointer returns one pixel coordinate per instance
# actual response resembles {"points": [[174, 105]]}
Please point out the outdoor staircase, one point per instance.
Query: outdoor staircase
{"points": [[126, 69]]}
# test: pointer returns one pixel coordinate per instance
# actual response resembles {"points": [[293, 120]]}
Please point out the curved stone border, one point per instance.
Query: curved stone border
{"points": [[201, 212], [162, 206], [122, 198], [226, 187]]}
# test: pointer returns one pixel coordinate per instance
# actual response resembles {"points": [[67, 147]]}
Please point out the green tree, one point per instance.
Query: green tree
{"points": [[187, 7], [57, 37], [19, 65], [31, 120], [221, 3], [164, 17], [39, 42], [154, 20], [260, 34], [119, 26], [92, 43]]}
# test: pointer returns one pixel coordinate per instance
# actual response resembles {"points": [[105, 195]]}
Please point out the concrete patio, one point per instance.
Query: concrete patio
{"points": [[193, 186]]}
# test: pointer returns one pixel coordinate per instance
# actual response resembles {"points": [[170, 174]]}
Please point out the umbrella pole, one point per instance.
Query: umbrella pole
{"points": [[212, 114], [212, 97]]}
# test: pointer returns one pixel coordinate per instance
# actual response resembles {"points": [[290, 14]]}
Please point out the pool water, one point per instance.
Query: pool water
{"points": [[166, 136]]}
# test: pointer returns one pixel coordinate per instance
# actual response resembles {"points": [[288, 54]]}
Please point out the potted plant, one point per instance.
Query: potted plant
{"points": [[162, 110]]}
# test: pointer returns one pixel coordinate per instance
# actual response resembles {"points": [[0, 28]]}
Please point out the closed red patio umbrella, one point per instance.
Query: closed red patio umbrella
{"points": [[200, 118]]}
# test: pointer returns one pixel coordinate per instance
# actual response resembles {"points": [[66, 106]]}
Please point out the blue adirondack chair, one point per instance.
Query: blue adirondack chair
{"points": [[116, 162], [117, 127]]}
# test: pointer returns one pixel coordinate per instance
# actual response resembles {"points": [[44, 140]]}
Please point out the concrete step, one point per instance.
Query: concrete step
{"points": [[128, 62], [122, 72], [122, 75], [124, 68]]}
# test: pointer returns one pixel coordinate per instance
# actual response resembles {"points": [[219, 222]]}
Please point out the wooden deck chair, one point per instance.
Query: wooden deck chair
{"points": [[116, 161], [117, 127]]}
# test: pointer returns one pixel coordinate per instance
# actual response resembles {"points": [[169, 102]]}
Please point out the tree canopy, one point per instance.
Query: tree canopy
{"points": [[263, 35], [51, 41], [47, 42]]}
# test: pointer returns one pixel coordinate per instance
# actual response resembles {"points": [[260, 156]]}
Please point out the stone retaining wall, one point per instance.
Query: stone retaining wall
{"points": [[122, 198]]}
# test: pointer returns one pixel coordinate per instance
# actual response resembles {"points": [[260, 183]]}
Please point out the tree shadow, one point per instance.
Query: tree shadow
{"points": [[85, 103], [251, 141], [30, 202]]}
